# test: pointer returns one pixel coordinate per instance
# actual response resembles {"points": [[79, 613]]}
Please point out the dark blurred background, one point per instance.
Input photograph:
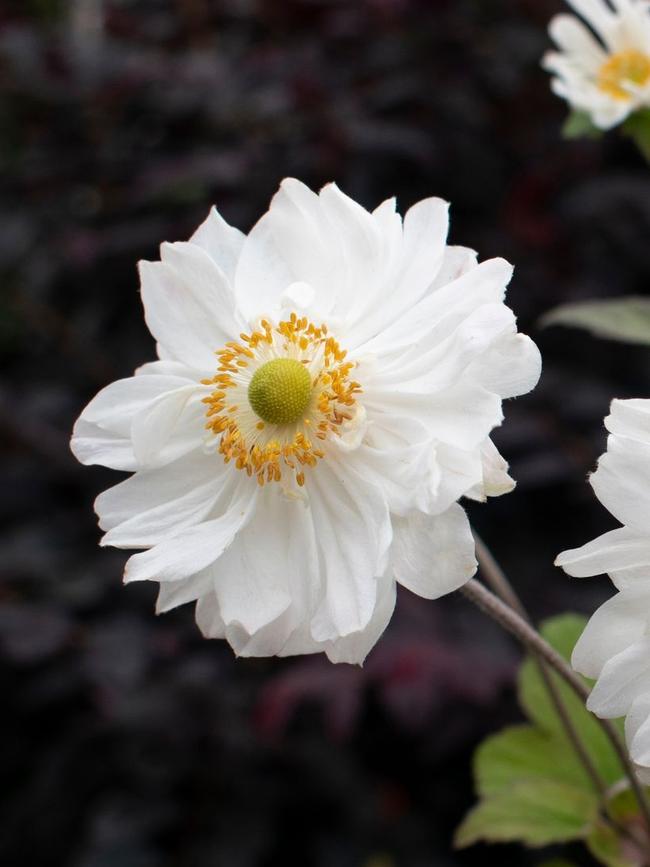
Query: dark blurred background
{"points": [[126, 740]]}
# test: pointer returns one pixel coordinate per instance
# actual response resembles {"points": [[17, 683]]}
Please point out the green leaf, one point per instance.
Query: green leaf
{"points": [[579, 125], [562, 633], [533, 787], [623, 806], [626, 319], [537, 813], [608, 848], [606, 845], [637, 127], [523, 753]]}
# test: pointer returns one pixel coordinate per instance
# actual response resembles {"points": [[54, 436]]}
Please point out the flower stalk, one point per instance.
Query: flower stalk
{"points": [[517, 626], [496, 578]]}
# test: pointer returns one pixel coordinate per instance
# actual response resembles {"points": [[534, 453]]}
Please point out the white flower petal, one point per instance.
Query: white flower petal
{"points": [[399, 458], [463, 415], [282, 552], [420, 258], [390, 225], [368, 282], [615, 626], [354, 648], [208, 617], [442, 311], [359, 246], [223, 243], [143, 510], [252, 579], [352, 524], [102, 435], [297, 297], [608, 115], [188, 322], [172, 594], [633, 25], [170, 426], [495, 481], [622, 679], [597, 14], [426, 226], [456, 261], [572, 36], [192, 549], [510, 368], [622, 551], [167, 367], [92, 444], [202, 277], [116, 405], [630, 418], [460, 472], [351, 649], [291, 243], [637, 734], [268, 640], [443, 356], [622, 482], [432, 556]]}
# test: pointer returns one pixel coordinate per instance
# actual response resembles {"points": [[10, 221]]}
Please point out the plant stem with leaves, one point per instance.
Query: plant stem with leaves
{"points": [[497, 580], [516, 625]]}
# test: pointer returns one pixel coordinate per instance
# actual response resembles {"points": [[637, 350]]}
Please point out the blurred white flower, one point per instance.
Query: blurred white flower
{"points": [[324, 395], [614, 649], [605, 73]]}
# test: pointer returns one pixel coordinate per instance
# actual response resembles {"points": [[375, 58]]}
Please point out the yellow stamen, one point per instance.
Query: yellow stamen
{"points": [[301, 395], [622, 70]]}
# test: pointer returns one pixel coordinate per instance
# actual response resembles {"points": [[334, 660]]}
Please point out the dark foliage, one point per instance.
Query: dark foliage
{"points": [[127, 740]]}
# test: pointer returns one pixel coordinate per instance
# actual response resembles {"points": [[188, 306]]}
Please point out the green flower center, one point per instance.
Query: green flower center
{"points": [[280, 391]]}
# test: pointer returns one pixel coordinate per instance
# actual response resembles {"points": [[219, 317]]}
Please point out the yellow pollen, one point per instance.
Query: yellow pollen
{"points": [[622, 70], [276, 420], [280, 391]]}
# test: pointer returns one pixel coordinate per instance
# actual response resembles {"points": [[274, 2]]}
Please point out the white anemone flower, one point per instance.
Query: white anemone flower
{"points": [[614, 649], [605, 70], [325, 392]]}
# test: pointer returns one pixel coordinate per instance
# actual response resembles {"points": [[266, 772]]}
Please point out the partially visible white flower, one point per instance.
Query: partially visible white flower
{"points": [[324, 395], [603, 71], [614, 649]]}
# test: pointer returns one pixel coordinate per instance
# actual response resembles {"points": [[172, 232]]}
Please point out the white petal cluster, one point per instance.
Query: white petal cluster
{"points": [[614, 649], [291, 537], [603, 69]]}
